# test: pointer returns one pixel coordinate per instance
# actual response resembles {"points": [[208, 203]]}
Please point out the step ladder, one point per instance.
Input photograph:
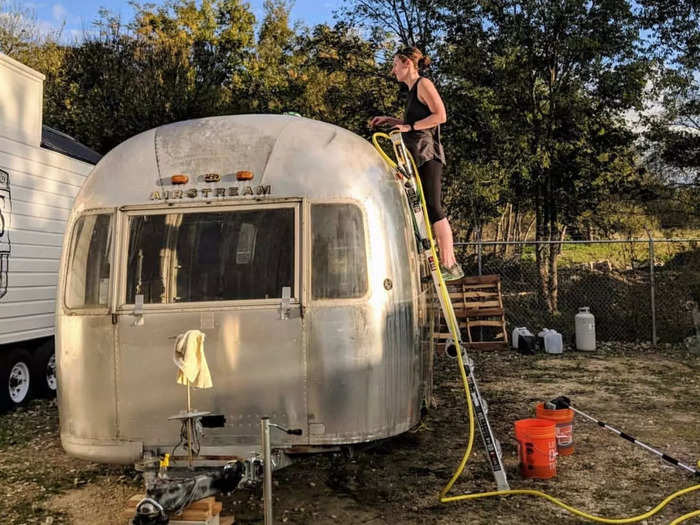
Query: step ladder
{"points": [[416, 201], [478, 304]]}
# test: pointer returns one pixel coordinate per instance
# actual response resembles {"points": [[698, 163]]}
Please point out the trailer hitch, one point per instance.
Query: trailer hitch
{"points": [[167, 495]]}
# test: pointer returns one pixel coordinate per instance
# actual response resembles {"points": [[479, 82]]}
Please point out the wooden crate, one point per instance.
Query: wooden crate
{"points": [[477, 303], [203, 511]]}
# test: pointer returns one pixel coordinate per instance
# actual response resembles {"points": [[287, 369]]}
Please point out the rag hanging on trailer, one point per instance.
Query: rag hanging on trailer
{"points": [[191, 361]]}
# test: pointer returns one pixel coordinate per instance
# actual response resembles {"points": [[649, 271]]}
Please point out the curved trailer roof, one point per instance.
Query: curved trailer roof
{"points": [[288, 157]]}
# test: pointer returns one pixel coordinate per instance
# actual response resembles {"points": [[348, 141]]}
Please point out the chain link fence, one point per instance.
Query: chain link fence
{"points": [[638, 290]]}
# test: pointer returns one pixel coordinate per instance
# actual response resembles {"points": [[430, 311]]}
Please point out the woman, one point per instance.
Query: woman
{"points": [[421, 133]]}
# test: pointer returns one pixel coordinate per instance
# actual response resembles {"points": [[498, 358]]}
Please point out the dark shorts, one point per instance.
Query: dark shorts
{"points": [[431, 179]]}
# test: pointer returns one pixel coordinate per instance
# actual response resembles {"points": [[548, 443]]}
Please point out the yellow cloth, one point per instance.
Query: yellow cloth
{"points": [[190, 360]]}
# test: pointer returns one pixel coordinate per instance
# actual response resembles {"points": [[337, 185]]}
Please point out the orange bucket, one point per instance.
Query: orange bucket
{"points": [[537, 448], [564, 419]]}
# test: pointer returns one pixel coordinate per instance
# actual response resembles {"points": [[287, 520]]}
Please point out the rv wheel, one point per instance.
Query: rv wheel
{"points": [[44, 371], [15, 378]]}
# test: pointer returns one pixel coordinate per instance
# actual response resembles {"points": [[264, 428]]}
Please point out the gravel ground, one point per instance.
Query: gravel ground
{"points": [[652, 394]]}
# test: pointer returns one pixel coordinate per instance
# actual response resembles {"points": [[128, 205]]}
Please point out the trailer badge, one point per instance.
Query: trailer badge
{"points": [[193, 193], [212, 177], [5, 218]]}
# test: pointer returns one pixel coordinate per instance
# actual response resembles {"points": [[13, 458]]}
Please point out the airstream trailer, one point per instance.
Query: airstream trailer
{"points": [[203, 225]]}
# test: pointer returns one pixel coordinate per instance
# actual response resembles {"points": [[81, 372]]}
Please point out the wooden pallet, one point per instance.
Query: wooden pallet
{"points": [[205, 511], [477, 302]]}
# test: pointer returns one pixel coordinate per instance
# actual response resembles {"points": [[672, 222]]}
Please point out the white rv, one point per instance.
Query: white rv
{"points": [[41, 171]]}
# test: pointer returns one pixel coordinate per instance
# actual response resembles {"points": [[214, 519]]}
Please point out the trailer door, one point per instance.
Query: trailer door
{"points": [[224, 271]]}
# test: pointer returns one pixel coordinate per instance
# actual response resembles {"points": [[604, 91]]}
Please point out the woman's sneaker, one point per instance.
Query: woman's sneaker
{"points": [[453, 273]]}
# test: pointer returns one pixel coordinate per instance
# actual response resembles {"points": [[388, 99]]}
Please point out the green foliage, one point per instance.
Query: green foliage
{"points": [[674, 133], [342, 82], [536, 92], [410, 22]]}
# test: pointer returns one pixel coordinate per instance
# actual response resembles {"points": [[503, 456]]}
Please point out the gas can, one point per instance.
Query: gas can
{"points": [[585, 329]]}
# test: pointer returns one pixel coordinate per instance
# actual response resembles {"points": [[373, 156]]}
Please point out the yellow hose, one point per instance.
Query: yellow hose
{"points": [[685, 517], [470, 442]]}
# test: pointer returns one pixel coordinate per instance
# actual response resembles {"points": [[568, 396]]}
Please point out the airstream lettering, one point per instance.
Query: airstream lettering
{"points": [[192, 193], [290, 290]]}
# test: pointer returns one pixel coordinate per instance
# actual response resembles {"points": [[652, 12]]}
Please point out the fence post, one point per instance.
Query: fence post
{"points": [[478, 257], [652, 291]]}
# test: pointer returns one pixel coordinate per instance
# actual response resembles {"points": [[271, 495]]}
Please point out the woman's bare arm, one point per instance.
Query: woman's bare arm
{"points": [[428, 95]]}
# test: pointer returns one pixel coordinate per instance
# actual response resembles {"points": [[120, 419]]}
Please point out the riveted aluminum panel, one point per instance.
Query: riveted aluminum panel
{"points": [[343, 371]]}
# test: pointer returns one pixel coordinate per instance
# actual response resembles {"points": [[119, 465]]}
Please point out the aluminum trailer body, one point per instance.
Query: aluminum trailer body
{"points": [[343, 359]]}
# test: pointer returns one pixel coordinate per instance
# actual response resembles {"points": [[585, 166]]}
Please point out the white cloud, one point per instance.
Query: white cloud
{"points": [[46, 27], [59, 12]]}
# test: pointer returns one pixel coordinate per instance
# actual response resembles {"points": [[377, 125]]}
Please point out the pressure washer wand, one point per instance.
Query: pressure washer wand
{"points": [[565, 402]]}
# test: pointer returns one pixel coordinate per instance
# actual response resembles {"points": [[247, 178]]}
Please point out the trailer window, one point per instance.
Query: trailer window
{"points": [[339, 264], [223, 256], [89, 266]]}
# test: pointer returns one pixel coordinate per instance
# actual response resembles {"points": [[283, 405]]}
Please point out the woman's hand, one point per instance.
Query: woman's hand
{"points": [[384, 121], [403, 128]]}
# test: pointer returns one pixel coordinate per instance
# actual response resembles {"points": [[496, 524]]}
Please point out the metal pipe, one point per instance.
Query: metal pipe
{"points": [[189, 426], [652, 291], [267, 469], [481, 244], [635, 441]]}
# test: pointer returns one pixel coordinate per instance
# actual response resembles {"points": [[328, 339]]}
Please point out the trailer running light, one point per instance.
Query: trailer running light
{"points": [[244, 175], [179, 179], [212, 177]]}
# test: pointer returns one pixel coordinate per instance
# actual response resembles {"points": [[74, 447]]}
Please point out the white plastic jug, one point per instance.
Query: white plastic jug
{"points": [[585, 330], [553, 343]]}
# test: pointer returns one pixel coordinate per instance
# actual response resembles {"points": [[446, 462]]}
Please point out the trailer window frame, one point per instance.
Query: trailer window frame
{"points": [[367, 255], [66, 273], [127, 212]]}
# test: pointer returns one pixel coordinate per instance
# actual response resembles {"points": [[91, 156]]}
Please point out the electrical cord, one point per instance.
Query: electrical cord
{"points": [[444, 498]]}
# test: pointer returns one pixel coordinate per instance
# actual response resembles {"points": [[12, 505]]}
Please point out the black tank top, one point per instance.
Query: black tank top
{"points": [[423, 144]]}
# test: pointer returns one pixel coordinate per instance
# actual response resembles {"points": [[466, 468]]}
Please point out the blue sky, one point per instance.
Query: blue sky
{"points": [[79, 14]]}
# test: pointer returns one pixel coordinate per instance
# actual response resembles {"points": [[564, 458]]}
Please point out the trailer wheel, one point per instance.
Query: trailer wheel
{"points": [[15, 378], [44, 371]]}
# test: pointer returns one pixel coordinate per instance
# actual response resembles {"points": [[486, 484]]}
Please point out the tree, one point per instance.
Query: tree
{"points": [[22, 39], [19, 30], [340, 81], [674, 41], [176, 62], [411, 22], [554, 81], [272, 69]]}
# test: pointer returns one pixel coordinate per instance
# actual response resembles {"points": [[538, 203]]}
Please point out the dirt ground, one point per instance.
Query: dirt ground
{"points": [[652, 394]]}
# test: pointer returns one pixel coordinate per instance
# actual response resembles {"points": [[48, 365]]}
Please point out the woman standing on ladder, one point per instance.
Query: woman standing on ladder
{"points": [[421, 133]]}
